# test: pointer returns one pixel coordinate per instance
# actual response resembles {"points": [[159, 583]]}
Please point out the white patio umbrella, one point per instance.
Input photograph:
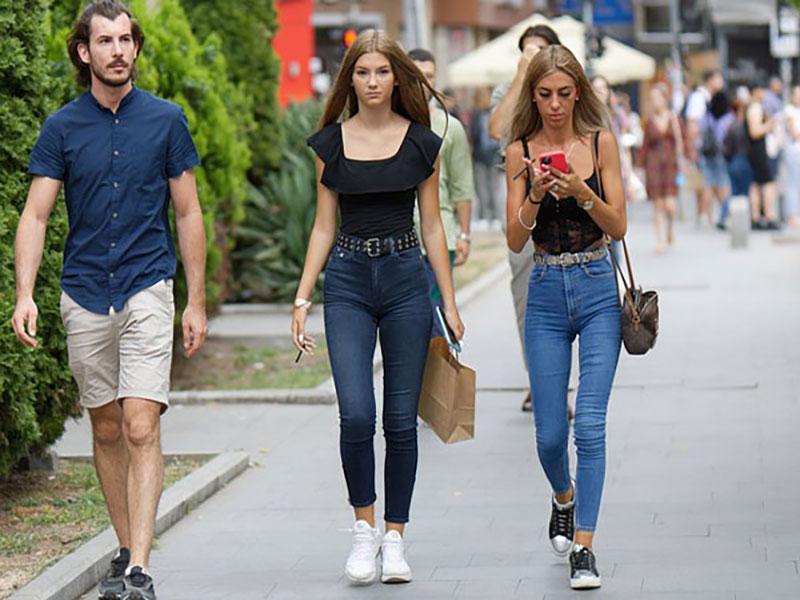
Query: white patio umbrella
{"points": [[496, 61]]}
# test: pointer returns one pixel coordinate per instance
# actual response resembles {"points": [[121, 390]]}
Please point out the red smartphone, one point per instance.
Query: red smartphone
{"points": [[554, 160]]}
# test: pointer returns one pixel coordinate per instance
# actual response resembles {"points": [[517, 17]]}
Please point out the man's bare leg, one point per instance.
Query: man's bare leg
{"points": [[142, 429], [111, 463]]}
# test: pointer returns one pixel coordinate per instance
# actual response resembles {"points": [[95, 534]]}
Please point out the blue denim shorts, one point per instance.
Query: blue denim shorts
{"points": [[715, 171]]}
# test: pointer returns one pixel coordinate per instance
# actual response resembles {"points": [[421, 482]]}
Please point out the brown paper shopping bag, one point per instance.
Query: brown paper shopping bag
{"points": [[447, 400]]}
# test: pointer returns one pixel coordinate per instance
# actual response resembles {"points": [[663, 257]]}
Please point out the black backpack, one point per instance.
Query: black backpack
{"points": [[709, 145]]}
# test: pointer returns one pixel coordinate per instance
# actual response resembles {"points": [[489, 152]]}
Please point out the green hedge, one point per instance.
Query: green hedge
{"points": [[37, 391], [246, 28], [272, 241]]}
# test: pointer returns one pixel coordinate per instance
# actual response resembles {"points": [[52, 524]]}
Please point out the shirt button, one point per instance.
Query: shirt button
{"points": [[114, 215], [116, 152], [113, 244], [116, 121], [115, 184], [111, 275]]}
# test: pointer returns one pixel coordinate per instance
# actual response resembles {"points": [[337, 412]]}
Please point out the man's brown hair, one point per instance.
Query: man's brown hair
{"points": [[81, 33]]}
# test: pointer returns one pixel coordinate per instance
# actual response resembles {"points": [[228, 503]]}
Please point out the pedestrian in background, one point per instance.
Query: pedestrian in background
{"points": [[504, 100], [661, 157], [120, 154], [713, 126], [371, 167], [485, 155], [763, 191], [572, 289], [791, 187], [736, 147], [695, 111], [455, 182]]}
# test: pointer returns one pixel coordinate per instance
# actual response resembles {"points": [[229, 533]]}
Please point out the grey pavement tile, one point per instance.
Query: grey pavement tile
{"points": [[607, 592], [486, 589]]}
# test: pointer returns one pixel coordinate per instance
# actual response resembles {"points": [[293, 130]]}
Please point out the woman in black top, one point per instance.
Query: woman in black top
{"points": [[572, 289], [372, 166]]}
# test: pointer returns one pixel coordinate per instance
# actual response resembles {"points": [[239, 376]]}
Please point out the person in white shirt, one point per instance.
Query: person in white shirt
{"points": [[696, 109]]}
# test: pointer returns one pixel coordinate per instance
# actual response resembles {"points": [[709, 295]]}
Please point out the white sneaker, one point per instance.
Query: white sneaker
{"points": [[394, 567], [360, 567]]}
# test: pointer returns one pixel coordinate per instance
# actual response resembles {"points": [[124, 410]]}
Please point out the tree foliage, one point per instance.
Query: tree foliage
{"points": [[37, 391], [246, 28]]}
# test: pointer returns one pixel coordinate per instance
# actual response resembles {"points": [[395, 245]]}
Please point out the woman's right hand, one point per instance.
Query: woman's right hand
{"points": [[541, 181], [304, 343]]}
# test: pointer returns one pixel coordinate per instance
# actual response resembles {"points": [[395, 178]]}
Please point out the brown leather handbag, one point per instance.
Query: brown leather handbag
{"points": [[639, 308], [639, 311]]}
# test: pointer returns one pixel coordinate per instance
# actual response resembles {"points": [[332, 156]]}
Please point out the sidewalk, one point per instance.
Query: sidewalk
{"points": [[702, 491]]}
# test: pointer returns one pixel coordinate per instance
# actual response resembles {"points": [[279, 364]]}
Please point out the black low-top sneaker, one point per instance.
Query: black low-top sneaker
{"points": [[562, 527], [111, 585], [138, 585], [583, 574]]}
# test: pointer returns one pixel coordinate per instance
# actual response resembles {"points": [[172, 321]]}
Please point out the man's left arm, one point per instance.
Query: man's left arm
{"points": [[192, 241], [462, 189]]}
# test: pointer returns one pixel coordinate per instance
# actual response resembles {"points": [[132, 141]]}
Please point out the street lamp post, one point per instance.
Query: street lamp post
{"points": [[588, 24]]}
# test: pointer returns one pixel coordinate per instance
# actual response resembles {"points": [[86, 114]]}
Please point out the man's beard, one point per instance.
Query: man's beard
{"points": [[111, 82]]}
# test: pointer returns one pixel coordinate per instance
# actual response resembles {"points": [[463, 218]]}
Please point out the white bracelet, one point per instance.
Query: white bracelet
{"points": [[521, 222]]}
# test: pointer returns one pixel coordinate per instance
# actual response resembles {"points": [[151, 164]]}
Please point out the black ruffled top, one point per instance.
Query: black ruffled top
{"points": [[376, 197]]}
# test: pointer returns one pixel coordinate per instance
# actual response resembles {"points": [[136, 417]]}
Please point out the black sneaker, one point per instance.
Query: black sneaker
{"points": [[583, 573], [138, 586], [111, 585], [562, 527]]}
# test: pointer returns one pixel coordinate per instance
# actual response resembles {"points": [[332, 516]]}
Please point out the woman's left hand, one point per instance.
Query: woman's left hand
{"points": [[566, 184], [454, 322]]}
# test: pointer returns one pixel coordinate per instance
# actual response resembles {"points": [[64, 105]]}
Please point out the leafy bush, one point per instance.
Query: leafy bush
{"points": [[37, 391], [271, 243], [246, 28]]}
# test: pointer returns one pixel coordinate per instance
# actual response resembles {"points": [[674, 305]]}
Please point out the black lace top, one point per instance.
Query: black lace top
{"points": [[376, 197], [562, 225]]}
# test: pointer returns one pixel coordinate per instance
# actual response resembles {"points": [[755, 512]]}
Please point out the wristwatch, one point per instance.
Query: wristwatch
{"points": [[587, 204], [464, 236], [302, 303]]}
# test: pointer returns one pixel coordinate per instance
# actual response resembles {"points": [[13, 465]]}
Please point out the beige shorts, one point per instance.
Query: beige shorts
{"points": [[126, 354]]}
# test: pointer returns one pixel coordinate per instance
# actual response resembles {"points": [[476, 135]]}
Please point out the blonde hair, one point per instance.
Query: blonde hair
{"points": [[408, 98], [588, 116]]}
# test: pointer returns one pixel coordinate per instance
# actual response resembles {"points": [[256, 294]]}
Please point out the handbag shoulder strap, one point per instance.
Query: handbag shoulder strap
{"points": [[595, 162]]}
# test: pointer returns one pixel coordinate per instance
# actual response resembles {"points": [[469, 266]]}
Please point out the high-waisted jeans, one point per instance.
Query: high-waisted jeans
{"points": [[363, 295], [564, 302]]}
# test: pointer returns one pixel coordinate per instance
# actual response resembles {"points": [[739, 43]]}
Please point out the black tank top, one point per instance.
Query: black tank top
{"points": [[562, 225], [376, 197]]}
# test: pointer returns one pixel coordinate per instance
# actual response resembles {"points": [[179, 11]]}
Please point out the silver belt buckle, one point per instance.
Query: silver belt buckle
{"points": [[369, 244], [566, 260]]}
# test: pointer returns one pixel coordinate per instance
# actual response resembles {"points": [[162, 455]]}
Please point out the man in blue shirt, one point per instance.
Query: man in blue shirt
{"points": [[120, 154]]}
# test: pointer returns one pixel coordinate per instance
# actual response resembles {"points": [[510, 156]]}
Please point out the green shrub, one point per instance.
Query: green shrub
{"points": [[246, 28], [271, 243], [37, 391]]}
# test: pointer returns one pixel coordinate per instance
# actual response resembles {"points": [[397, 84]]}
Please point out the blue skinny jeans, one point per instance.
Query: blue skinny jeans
{"points": [[365, 295], [565, 302]]}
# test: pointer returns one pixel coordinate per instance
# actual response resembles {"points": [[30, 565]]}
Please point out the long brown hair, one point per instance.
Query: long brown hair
{"points": [[81, 34], [408, 97], [588, 116]]}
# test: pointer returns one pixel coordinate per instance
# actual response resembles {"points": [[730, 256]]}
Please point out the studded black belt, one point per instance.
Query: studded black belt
{"points": [[378, 246]]}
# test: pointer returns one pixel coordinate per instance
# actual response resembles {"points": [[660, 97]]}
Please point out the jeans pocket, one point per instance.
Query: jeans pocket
{"points": [[598, 269], [538, 272]]}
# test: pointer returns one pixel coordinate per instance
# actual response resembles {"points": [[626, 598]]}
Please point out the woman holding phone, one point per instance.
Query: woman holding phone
{"points": [[376, 155], [565, 195]]}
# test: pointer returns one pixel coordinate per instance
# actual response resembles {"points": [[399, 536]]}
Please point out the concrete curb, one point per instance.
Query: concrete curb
{"points": [[317, 395], [325, 392], [79, 571]]}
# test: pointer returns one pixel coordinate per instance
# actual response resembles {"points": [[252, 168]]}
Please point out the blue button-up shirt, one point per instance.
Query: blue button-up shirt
{"points": [[116, 170]]}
